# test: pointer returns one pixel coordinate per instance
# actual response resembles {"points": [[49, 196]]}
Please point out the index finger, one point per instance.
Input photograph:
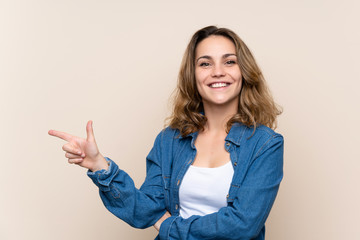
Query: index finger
{"points": [[62, 135]]}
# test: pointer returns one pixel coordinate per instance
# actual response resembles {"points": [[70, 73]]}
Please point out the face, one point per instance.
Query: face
{"points": [[217, 73]]}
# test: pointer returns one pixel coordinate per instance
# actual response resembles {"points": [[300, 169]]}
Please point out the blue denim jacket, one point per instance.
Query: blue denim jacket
{"points": [[257, 158]]}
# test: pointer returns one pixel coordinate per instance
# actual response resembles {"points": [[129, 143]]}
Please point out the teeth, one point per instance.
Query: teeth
{"points": [[218, 85]]}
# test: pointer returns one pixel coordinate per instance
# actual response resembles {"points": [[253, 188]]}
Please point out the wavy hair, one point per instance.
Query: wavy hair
{"points": [[256, 105]]}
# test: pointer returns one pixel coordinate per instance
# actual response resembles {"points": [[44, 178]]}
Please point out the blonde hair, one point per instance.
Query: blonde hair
{"points": [[256, 105]]}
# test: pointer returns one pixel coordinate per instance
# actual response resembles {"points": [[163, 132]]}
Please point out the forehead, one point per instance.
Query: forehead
{"points": [[215, 46]]}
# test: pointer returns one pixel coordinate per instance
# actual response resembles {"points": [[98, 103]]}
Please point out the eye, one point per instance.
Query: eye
{"points": [[204, 64], [230, 62]]}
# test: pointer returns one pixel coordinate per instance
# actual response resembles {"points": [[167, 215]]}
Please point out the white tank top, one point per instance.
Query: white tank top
{"points": [[203, 190]]}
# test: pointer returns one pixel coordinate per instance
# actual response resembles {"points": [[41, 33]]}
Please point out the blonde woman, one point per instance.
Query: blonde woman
{"points": [[215, 171]]}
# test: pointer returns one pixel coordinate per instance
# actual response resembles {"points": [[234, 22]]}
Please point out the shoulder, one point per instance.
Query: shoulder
{"points": [[266, 132], [261, 144], [264, 136], [240, 132], [167, 137], [169, 133], [267, 138], [255, 139]]}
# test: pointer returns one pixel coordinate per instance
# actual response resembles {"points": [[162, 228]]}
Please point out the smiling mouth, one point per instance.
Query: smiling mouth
{"points": [[219, 85]]}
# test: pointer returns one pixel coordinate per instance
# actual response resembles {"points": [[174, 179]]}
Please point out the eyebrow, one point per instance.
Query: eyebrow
{"points": [[224, 56]]}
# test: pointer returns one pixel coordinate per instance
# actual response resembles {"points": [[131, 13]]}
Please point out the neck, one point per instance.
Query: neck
{"points": [[218, 116]]}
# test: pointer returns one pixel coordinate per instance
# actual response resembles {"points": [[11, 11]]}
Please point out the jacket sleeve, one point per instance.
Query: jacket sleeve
{"points": [[245, 216], [140, 208]]}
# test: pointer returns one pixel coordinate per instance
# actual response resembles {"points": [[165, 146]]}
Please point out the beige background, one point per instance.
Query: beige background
{"points": [[115, 62]]}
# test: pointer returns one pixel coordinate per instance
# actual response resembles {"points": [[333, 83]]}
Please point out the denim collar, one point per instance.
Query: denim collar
{"points": [[193, 136], [235, 134]]}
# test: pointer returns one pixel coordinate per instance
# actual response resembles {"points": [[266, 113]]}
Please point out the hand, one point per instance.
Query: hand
{"points": [[157, 225], [80, 151]]}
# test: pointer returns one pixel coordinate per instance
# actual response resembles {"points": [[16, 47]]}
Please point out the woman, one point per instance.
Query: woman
{"points": [[214, 172]]}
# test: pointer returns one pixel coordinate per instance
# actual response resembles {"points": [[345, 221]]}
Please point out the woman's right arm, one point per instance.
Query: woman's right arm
{"points": [[139, 208]]}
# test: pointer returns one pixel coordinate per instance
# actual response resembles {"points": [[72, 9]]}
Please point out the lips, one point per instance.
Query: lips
{"points": [[219, 84]]}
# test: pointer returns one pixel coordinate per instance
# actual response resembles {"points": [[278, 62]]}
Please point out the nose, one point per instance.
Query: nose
{"points": [[218, 70]]}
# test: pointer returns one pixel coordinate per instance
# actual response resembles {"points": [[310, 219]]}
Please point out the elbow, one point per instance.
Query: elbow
{"points": [[246, 228], [249, 232], [142, 220], [140, 223], [254, 232]]}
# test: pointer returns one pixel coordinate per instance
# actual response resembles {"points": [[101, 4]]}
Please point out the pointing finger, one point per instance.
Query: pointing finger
{"points": [[62, 135]]}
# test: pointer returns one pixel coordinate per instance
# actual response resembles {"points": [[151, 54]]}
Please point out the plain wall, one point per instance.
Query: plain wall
{"points": [[116, 62]]}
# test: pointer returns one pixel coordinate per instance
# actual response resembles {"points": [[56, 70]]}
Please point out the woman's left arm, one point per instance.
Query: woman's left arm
{"points": [[245, 216]]}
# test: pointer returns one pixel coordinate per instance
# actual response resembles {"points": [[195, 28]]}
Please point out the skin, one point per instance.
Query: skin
{"points": [[80, 151], [215, 62]]}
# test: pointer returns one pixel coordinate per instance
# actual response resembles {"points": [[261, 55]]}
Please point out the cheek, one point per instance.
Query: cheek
{"points": [[200, 75], [240, 83], [240, 86], [237, 74], [199, 85]]}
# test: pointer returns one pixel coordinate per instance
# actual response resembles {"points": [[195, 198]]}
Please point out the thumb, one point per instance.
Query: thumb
{"points": [[90, 132]]}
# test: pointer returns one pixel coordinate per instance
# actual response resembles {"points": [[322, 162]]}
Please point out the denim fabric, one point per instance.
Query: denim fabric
{"points": [[257, 158]]}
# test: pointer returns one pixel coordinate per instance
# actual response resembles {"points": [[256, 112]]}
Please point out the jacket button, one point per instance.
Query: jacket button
{"points": [[178, 182], [176, 207], [228, 144], [227, 196], [235, 163]]}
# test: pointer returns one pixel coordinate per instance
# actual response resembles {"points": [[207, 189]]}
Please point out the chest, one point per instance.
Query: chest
{"points": [[210, 152], [177, 162], [204, 190]]}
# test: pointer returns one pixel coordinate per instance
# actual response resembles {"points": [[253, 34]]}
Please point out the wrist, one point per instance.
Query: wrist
{"points": [[157, 225], [100, 164]]}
